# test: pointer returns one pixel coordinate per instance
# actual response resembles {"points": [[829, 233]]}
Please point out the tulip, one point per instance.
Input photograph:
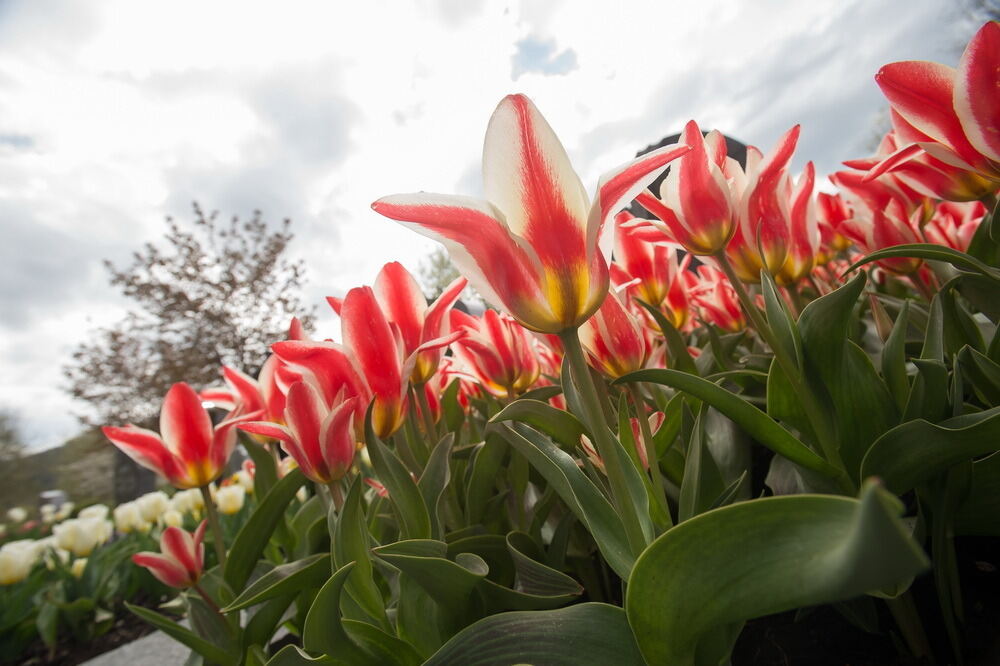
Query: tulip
{"points": [[320, 440], [181, 558], [763, 234], [531, 247], [81, 536], [613, 339], [695, 206], [954, 114], [716, 299], [152, 505], [803, 241], [954, 224], [649, 268], [496, 351], [17, 558], [173, 518], [128, 518], [98, 511], [230, 499], [188, 452], [406, 309], [832, 211], [17, 515]]}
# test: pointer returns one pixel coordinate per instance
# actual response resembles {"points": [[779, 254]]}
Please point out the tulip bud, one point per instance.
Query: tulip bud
{"points": [[78, 566], [181, 558], [17, 515], [98, 511], [152, 505], [16, 560]]}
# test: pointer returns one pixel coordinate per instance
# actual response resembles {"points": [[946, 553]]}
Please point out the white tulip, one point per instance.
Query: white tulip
{"points": [[17, 515], [152, 505], [78, 566], [15, 564], [173, 518], [129, 519], [65, 511], [230, 499], [99, 511]]}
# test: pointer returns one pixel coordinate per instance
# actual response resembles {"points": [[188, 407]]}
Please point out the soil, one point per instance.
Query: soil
{"points": [[127, 628]]}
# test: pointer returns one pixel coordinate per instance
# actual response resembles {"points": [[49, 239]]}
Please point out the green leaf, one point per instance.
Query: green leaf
{"points": [[702, 482], [853, 399], [762, 557], [590, 633], [558, 424], [533, 577], [184, 635], [47, 622], [917, 450], [894, 359], [929, 393], [454, 415], [983, 374], [292, 655], [756, 423], [933, 253], [780, 319], [350, 542], [579, 493], [256, 532], [265, 473], [449, 583], [676, 346], [385, 648], [977, 515], [482, 479], [260, 628], [434, 480], [406, 500], [284, 579], [324, 632]]}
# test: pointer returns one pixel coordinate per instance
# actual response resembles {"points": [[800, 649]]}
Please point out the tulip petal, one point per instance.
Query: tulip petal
{"points": [[246, 386], [305, 411], [480, 245], [977, 91], [165, 569], [922, 93], [402, 301], [333, 368], [436, 318], [527, 175], [267, 429], [179, 546], [147, 449], [185, 426], [902, 155]]}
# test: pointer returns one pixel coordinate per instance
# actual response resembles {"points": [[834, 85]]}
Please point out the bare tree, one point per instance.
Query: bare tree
{"points": [[216, 292]]}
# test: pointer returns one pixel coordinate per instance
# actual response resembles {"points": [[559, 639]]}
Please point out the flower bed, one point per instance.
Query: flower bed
{"points": [[630, 462]]}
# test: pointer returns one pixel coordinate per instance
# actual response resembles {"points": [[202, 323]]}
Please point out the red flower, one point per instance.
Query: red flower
{"points": [[953, 114], [321, 440], [188, 452], [532, 246], [497, 352], [181, 558]]}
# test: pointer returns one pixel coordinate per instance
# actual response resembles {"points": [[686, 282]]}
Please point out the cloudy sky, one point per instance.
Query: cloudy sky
{"points": [[115, 114]]}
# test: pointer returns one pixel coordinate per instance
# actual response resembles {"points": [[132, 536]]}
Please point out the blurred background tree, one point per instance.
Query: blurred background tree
{"points": [[436, 272], [211, 293]]}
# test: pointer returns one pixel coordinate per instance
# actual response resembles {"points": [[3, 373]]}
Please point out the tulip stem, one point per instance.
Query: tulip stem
{"points": [[607, 447], [208, 600], [647, 443], [821, 424], [337, 495], [214, 525], [425, 412]]}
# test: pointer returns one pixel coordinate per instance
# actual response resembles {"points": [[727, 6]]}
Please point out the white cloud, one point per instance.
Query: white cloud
{"points": [[115, 114]]}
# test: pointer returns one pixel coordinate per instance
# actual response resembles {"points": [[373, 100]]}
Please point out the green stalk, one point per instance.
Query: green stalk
{"points": [[655, 475], [214, 525], [425, 412], [822, 427], [904, 611], [607, 447]]}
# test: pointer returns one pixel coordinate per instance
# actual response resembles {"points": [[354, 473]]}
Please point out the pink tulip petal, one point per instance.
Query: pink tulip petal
{"points": [[165, 569], [147, 449], [185, 426], [402, 301], [977, 91]]}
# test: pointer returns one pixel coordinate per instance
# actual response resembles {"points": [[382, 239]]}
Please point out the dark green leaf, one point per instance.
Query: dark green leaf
{"points": [[588, 633], [414, 523], [677, 348], [324, 632], [184, 635], [434, 480], [761, 557], [933, 253], [265, 473], [756, 423], [894, 359], [702, 482], [350, 544], [256, 532], [483, 477], [558, 424], [580, 494], [284, 579], [917, 450]]}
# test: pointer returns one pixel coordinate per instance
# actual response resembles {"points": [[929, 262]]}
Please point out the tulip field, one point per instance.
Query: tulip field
{"points": [[683, 409]]}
